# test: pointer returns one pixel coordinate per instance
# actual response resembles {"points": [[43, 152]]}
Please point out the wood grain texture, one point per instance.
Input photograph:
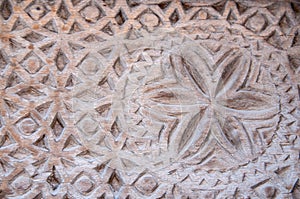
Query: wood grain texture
{"points": [[149, 99]]}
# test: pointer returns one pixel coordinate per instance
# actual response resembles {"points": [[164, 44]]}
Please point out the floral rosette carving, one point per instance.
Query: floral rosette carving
{"points": [[175, 102]]}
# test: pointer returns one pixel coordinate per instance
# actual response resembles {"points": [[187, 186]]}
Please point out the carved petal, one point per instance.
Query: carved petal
{"points": [[194, 127], [188, 132], [176, 96], [198, 68], [247, 100], [227, 140], [249, 105], [232, 136], [259, 108], [233, 70]]}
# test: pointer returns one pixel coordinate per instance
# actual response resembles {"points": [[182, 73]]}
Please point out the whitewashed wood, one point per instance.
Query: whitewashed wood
{"points": [[149, 99]]}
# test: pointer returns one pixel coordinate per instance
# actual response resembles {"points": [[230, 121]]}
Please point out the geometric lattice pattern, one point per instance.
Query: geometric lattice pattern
{"points": [[149, 99]]}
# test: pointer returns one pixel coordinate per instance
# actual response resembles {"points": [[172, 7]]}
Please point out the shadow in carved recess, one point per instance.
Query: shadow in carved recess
{"points": [[149, 99]]}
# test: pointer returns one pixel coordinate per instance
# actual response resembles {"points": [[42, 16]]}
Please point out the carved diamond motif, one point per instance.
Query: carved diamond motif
{"points": [[146, 184], [27, 125], [6, 9], [32, 63], [88, 125], [92, 12], [57, 125], [36, 10], [83, 183], [149, 99], [22, 182], [90, 65]]}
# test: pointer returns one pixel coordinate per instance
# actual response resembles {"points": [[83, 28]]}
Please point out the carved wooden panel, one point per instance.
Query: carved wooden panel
{"points": [[149, 99]]}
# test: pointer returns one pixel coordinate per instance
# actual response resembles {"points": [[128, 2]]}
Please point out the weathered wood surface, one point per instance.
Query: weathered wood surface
{"points": [[149, 99]]}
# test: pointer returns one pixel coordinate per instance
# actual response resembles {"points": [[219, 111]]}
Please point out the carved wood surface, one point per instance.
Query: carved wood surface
{"points": [[149, 99]]}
